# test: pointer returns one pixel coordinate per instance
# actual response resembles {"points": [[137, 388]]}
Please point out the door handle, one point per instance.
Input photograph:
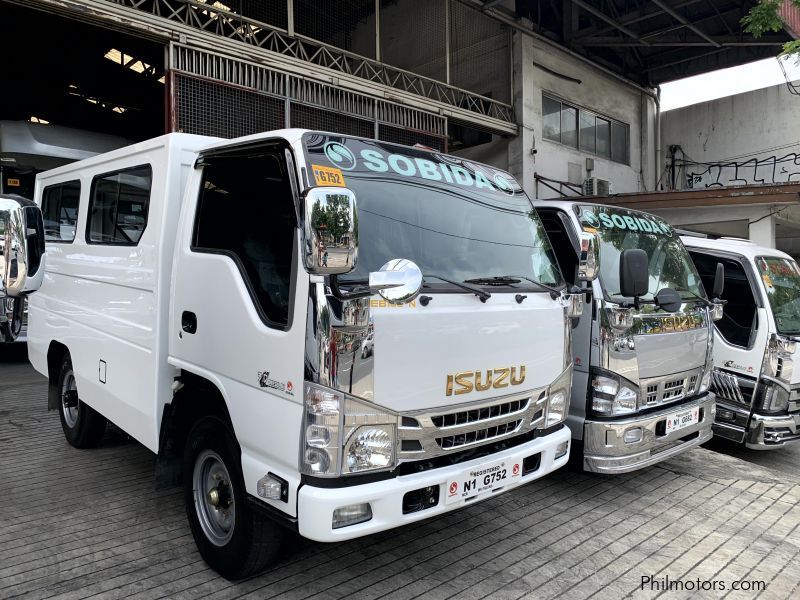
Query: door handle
{"points": [[189, 322]]}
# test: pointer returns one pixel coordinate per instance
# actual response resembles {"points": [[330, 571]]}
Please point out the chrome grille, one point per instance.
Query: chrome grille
{"points": [[436, 432], [670, 388], [480, 414], [480, 435], [726, 385]]}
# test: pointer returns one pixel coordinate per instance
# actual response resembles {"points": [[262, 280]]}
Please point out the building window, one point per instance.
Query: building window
{"points": [[60, 211], [118, 208], [582, 129]]}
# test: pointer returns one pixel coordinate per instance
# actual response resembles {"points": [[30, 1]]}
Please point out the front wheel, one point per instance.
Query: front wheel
{"points": [[83, 426], [233, 538]]}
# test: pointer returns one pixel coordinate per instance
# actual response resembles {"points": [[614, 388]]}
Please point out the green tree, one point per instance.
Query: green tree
{"points": [[764, 17]]}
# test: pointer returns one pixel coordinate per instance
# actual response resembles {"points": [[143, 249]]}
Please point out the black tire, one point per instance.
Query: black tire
{"points": [[83, 426], [247, 541]]}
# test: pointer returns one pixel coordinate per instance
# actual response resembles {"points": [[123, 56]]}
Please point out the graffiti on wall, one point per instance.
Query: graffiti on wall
{"points": [[773, 169]]}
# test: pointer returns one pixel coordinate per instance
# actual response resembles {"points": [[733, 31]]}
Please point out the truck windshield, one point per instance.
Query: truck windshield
{"points": [[618, 229], [455, 219], [781, 277]]}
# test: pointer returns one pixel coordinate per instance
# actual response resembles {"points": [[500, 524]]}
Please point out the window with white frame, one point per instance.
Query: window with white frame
{"points": [[585, 130]]}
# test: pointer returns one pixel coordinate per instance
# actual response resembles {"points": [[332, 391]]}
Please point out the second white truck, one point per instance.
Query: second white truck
{"points": [[307, 328]]}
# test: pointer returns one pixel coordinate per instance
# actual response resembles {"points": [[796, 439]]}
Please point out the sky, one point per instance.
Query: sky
{"points": [[726, 82]]}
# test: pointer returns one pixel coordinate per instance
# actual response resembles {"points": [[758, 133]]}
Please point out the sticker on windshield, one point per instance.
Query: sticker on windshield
{"points": [[328, 176], [622, 220]]}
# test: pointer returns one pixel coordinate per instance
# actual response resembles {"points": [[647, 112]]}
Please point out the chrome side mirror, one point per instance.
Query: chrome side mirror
{"points": [[587, 257], [22, 250], [330, 231], [399, 281]]}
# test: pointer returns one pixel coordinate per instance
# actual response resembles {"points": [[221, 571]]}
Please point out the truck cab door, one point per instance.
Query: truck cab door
{"points": [[741, 334], [238, 312]]}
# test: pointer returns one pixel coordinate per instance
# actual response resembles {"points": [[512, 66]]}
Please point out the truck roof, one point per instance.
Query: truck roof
{"points": [[569, 204], [739, 246]]}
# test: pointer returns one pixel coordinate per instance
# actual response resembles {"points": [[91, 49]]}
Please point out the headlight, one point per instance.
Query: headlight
{"points": [[370, 448], [558, 398], [706, 381], [333, 421], [778, 362], [613, 395], [774, 398]]}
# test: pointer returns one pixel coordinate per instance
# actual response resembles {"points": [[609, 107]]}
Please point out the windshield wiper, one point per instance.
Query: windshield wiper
{"points": [[512, 279], [361, 286], [482, 294]]}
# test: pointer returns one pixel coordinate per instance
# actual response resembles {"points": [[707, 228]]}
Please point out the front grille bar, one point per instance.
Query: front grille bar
{"points": [[454, 428]]}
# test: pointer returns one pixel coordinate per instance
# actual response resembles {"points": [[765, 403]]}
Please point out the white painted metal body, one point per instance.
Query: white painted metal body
{"points": [[123, 306]]}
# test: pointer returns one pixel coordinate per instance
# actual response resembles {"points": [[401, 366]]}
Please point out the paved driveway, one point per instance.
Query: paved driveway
{"points": [[79, 524]]}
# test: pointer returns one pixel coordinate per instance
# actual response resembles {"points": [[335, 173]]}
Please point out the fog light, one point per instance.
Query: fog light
{"points": [[633, 436], [562, 449], [725, 414], [351, 514], [273, 487]]}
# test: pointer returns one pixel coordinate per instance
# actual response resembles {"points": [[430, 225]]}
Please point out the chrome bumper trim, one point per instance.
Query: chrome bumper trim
{"points": [[767, 431], [605, 450]]}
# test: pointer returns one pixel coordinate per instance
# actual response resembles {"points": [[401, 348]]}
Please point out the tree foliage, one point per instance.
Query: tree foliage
{"points": [[334, 218], [765, 17]]}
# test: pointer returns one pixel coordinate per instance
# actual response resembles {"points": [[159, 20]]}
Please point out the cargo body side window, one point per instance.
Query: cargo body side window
{"points": [[118, 207], [246, 212], [739, 322], [60, 211]]}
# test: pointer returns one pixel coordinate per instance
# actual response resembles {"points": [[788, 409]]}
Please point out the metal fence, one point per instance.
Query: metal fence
{"points": [[441, 50], [216, 95]]}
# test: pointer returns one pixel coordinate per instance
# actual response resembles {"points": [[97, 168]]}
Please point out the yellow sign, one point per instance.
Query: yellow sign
{"points": [[13, 182], [328, 175]]}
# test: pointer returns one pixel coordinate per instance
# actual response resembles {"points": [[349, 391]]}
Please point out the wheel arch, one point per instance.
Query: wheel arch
{"points": [[196, 396]]}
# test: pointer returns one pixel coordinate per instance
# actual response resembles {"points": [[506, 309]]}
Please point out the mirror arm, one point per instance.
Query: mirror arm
{"points": [[338, 293]]}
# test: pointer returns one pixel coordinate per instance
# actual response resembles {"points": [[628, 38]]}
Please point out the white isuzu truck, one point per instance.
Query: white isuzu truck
{"points": [[312, 330], [758, 391], [642, 348]]}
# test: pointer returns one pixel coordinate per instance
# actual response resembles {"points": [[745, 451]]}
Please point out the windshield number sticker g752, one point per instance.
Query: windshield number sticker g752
{"points": [[328, 176]]}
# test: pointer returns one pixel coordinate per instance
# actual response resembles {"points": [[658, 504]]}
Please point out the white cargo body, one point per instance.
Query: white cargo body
{"points": [[235, 306]]}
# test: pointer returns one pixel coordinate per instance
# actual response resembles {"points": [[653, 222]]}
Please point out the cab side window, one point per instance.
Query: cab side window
{"points": [[60, 211], [246, 212], [118, 207], [740, 319]]}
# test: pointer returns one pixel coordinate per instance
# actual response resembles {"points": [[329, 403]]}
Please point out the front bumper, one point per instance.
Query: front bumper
{"points": [[605, 450], [772, 431], [315, 505]]}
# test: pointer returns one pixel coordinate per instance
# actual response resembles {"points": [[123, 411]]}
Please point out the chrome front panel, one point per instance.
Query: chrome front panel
{"points": [[427, 434], [664, 352]]}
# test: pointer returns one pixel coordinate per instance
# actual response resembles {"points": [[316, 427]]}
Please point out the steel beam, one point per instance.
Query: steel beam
{"points": [[604, 17], [681, 19]]}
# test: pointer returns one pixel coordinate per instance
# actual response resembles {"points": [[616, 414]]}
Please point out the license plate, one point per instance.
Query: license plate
{"points": [[683, 419], [482, 479]]}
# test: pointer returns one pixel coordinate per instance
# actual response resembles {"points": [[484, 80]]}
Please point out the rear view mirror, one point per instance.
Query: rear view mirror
{"points": [[719, 281], [330, 231], [587, 257], [633, 273], [21, 246], [399, 281]]}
